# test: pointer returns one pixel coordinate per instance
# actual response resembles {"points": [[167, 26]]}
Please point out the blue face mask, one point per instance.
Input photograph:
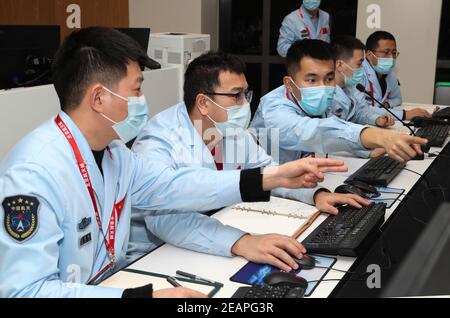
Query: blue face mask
{"points": [[238, 119], [311, 5], [357, 77], [130, 127], [316, 100], [384, 65]]}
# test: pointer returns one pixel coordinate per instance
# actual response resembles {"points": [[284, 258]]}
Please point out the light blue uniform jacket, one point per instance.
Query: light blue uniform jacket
{"points": [[287, 133], [171, 139], [349, 104], [52, 262], [393, 93], [295, 28]]}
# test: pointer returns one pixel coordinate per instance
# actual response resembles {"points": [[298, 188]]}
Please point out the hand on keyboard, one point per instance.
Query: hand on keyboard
{"points": [[327, 202]]}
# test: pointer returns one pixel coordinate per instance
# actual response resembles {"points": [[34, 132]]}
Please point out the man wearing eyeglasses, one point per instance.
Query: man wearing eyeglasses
{"points": [[208, 132], [381, 81]]}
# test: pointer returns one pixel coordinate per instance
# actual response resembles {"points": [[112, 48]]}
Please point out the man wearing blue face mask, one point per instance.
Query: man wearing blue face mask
{"points": [[349, 103], [297, 110], [67, 188], [380, 79], [308, 22], [208, 132]]}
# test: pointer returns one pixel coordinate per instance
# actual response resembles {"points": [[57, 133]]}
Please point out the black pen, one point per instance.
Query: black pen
{"points": [[173, 282], [195, 277]]}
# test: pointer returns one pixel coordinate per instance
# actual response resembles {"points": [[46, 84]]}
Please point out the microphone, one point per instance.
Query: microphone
{"points": [[425, 148], [362, 89]]}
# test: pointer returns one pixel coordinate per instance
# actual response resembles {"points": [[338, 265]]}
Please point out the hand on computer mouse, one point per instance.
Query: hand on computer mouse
{"points": [[327, 202], [273, 249], [402, 147], [307, 262]]}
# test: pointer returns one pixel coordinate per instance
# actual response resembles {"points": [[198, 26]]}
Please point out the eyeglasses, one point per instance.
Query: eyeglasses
{"points": [[388, 53], [240, 97]]}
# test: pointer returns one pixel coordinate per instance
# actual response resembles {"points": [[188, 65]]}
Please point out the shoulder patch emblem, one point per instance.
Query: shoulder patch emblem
{"points": [[21, 217]]}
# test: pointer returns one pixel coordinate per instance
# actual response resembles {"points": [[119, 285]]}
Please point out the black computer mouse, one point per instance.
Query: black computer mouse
{"points": [[306, 262], [347, 188], [365, 187], [425, 148], [285, 278]]}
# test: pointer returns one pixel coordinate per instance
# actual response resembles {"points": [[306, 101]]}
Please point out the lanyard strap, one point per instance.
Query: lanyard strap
{"points": [[372, 93], [109, 244], [304, 22]]}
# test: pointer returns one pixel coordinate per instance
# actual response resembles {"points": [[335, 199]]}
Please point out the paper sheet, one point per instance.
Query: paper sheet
{"points": [[259, 223]]}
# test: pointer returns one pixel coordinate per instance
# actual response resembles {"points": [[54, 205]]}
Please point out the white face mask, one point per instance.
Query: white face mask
{"points": [[238, 119], [130, 127]]}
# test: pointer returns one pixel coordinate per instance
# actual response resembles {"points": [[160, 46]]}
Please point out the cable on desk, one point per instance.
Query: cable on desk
{"points": [[412, 171]]}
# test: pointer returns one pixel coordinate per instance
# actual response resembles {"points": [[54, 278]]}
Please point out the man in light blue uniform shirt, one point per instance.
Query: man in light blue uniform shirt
{"points": [[180, 137], [308, 22], [380, 78], [349, 103], [67, 189], [295, 112]]}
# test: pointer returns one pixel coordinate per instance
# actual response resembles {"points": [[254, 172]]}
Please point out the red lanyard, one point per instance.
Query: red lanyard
{"points": [[372, 93], [217, 154], [109, 244], [304, 23], [323, 31]]}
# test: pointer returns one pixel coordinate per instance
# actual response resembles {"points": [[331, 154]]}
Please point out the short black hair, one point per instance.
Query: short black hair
{"points": [[374, 39], [315, 49], [202, 74], [344, 47], [95, 54]]}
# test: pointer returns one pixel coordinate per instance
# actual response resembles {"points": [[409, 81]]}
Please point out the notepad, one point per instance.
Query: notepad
{"points": [[129, 278], [280, 216]]}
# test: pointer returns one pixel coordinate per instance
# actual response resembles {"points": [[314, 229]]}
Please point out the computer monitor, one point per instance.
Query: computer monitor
{"points": [[142, 36], [425, 271], [26, 54]]}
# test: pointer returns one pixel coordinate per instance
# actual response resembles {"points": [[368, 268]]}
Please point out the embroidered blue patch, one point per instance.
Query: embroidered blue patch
{"points": [[21, 217]]}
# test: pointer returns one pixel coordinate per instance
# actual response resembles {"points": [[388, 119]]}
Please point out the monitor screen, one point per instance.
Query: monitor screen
{"points": [[26, 54], [425, 271]]}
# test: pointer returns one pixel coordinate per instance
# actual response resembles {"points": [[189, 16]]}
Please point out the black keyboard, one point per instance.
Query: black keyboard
{"points": [[378, 171], [436, 134], [270, 291], [442, 114], [346, 233]]}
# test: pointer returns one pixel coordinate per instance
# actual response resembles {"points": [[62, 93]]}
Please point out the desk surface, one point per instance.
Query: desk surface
{"points": [[168, 259]]}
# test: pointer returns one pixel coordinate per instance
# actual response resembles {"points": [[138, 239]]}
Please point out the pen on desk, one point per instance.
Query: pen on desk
{"points": [[173, 282], [195, 277]]}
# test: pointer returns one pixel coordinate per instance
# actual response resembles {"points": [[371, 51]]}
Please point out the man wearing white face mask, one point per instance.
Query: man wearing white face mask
{"points": [[297, 111], [349, 103], [308, 22], [209, 132], [380, 78]]}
